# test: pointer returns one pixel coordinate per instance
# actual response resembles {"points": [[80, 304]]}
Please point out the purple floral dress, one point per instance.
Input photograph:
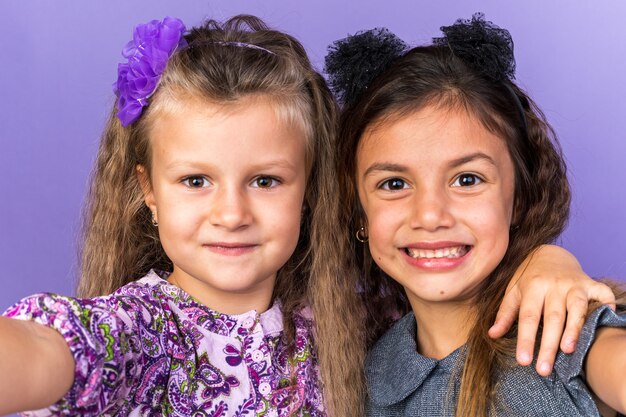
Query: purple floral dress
{"points": [[150, 349]]}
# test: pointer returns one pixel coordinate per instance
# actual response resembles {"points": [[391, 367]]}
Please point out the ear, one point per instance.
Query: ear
{"points": [[146, 188]]}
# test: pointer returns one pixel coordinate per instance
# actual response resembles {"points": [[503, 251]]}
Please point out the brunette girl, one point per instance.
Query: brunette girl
{"points": [[452, 177]]}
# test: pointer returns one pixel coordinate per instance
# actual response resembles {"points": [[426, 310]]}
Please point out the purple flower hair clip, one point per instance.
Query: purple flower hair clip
{"points": [[152, 46]]}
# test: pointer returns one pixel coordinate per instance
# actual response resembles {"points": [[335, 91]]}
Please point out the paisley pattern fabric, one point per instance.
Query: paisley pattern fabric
{"points": [[150, 349]]}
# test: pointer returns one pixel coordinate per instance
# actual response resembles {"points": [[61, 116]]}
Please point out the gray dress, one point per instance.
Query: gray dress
{"points": [[401, 382]]}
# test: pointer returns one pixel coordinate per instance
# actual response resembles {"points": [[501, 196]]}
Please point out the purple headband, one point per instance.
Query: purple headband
{"points": [[243, 45], [148, 53]]}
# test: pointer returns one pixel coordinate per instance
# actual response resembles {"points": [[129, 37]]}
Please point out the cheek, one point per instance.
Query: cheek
{"points": [[490, 223], [383, 222], [285, 218], [179, 216], [494, 209]]}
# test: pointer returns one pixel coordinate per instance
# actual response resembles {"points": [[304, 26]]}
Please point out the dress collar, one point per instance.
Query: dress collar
{"points": [[268, 322], [394, 369]]}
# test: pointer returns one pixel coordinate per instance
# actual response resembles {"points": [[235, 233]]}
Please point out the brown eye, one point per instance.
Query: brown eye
{"points": [[467, 180], [265, 182], [394, 184], [196, 182]]}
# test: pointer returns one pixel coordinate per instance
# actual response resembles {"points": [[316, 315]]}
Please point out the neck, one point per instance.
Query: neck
{"points": [[442, 327], [258, 298]]}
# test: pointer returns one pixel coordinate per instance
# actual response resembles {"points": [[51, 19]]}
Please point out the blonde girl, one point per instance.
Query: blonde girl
{"points": [[212, 185]]}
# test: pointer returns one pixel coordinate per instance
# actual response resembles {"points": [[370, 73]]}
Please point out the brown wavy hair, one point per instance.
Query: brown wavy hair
{"points": [[121, 245], [434, 76]]}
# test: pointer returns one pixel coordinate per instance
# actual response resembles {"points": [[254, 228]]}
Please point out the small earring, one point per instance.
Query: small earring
{"points": [[155, 223], [361, 235]]}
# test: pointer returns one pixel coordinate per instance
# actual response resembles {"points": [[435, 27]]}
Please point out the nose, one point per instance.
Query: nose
{"points": [[431, 210], [230, 208]]}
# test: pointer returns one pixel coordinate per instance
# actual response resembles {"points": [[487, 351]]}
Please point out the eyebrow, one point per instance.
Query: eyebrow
{"points": [[384, 166], [189, 164], [391, 167], [471, 157]]}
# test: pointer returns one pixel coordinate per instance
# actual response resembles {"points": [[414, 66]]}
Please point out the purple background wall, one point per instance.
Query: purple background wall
{"points": [[58, 61]]}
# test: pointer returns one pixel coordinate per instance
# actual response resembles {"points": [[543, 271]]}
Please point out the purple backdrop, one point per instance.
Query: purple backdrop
{"points": [[59, 60]]}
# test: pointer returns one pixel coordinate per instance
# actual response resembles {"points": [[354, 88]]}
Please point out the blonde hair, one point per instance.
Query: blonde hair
{"points": [[121, 245]]}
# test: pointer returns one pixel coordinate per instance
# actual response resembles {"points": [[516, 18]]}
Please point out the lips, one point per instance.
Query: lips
{"points": [[437, 256], [231, 248], [450, 252]]}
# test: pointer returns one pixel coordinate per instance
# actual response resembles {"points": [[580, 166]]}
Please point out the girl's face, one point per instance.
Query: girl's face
{"points": [[227, 186], [437, 190]]}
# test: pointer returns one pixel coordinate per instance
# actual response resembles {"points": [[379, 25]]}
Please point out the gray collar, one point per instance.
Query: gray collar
{"points": [[394, 369]]}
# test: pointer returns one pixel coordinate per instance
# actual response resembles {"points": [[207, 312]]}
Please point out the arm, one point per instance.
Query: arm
{"points": [[36, 366], [101, 337], [605, 367], [551, 281]]}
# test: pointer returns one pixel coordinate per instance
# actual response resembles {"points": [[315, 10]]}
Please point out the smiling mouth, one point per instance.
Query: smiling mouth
{"points": [[442, 253]]}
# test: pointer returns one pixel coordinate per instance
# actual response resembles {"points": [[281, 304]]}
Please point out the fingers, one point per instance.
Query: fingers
{"points": [[507, 314], [602, 293], [529, 317], [566, 291], [553, 322], [577, 305], [575, 309], [563, 320]]}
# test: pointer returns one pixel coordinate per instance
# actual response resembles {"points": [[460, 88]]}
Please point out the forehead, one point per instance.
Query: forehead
{"points": [[290, 113], [427, 133], [195, 130], [176, 100]]}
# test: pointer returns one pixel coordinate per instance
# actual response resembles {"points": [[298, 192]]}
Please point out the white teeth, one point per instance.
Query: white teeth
{"points": [[453, 252]]}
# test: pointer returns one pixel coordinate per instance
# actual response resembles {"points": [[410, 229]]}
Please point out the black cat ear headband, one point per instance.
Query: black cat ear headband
{"points": [[485, 47], [353, 63]]}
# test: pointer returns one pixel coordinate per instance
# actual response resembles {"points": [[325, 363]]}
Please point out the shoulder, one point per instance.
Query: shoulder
{"points": [[603, 316], [305, 332], [150, 294], [398, 340], [569, 369], [393, 368], [570, 366], [142, 296], [303, 318]]}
